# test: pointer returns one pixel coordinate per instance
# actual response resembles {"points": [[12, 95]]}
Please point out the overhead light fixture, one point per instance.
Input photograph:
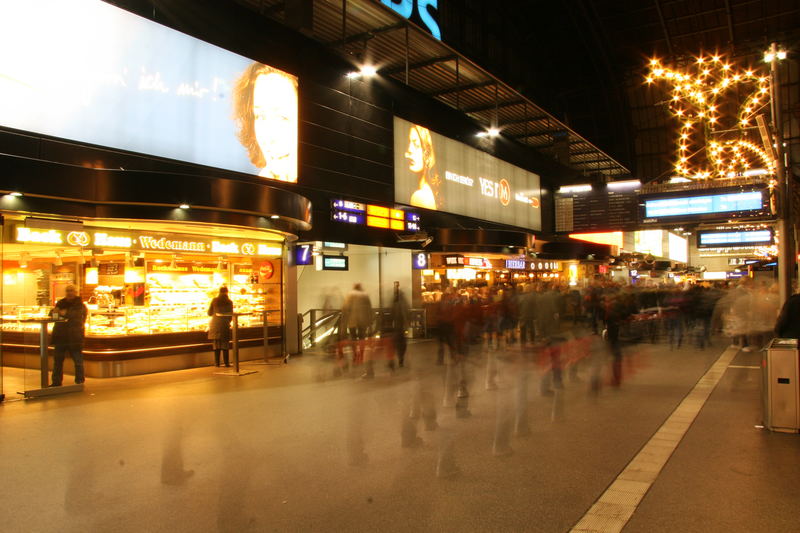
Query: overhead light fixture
{"points": [[275, 217], [626, 184], [493, 132], [15, 194], [368, 70], [769, 56], [679, 179], [353, 74], [575, 188], [482, 134], [184, 206]]}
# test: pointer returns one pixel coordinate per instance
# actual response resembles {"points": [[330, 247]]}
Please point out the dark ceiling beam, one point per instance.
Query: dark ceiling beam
{"points": [[584, 152], [664, 28], [396, 69], [729, 13], [460, 88], [489, 107], [590, 161], [599, 169], [524, 120], [364, 36]]}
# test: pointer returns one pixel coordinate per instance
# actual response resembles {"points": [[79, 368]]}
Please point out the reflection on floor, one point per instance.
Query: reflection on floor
{"points": [[493, 443]]}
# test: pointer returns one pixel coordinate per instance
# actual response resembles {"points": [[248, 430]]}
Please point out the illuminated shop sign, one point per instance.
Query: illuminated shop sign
{"points": [[454, 260], [435, 172], [748, 203], [116, 79], [127, 240], [515, 264], [335, 262], [478, 262], [374, 216], [405, 8], [545, 265], [338, 246], [723, 239], [420, 261]]}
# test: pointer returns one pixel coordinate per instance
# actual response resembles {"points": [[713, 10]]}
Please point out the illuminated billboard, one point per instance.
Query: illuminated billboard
{"points": [[678, 248], [90, 72], [725, 239], [435, 172]]}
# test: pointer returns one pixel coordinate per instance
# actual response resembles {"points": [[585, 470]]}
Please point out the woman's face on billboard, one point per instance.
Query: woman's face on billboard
{"points": [[275, 114], [415, 156]]}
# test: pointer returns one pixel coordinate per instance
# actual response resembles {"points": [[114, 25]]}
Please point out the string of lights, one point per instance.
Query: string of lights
{"points": [[705, 98]]}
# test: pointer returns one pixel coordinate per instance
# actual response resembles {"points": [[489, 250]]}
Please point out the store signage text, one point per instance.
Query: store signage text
{"points": [[107, 238], [454, 260], [405, 8], [421, 260], [515, 264]]}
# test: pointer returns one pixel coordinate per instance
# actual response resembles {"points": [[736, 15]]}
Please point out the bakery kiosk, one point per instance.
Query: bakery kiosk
{"points": [[147, 286]]}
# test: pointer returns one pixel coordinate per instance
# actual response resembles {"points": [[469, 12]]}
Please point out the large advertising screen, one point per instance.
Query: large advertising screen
{"points": [[435, 172], [90, 72]]}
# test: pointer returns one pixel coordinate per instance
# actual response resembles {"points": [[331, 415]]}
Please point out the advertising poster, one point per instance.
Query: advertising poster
{"points": [[87, 71], [435, 172]]}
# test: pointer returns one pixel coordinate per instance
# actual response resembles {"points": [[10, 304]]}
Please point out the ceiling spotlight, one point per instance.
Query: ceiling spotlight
{"points": [[275, 217], [493, 132], [781, 54], [15, 194], [353, 75], [184, 206], [368, 70], [481, 134]]}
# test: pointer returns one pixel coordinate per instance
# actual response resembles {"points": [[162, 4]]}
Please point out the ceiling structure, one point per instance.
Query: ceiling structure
{"points": [[585, 60], [565, 78], [365, 31]]}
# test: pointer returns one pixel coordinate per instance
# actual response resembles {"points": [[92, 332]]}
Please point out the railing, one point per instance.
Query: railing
{"points": [[320, 324]]}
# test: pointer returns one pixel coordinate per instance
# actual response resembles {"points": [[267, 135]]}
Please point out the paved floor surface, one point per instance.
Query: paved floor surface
{"points": [[293, 448]]}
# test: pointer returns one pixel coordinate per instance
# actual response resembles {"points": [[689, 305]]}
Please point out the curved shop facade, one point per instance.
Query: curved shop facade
{"points": [[141, 166]]}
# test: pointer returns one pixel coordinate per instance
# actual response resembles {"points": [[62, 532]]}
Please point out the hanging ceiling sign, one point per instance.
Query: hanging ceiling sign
{"points": [[374, 216]]}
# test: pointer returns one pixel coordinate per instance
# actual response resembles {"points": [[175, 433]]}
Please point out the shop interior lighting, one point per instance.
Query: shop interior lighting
{"points": [[221, 263], [58, 261], [24, 257], [173, 265]]}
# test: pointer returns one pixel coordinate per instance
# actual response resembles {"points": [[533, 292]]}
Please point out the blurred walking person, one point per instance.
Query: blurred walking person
{"points": [[357, 316]]}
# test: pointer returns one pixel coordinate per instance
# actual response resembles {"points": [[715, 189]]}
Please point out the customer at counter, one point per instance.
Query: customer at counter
{"points": [[68, 333], [219, 328]]}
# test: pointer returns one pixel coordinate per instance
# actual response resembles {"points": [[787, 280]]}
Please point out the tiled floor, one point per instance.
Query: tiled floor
{"points": [[292, 448]]}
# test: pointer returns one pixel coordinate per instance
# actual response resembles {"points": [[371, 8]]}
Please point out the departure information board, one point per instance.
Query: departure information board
{"points": [[716, 204], [600, 209]]}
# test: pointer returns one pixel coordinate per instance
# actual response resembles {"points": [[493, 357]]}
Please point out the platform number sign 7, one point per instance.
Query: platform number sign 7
{"points": [[302, 254], [420, 260]]}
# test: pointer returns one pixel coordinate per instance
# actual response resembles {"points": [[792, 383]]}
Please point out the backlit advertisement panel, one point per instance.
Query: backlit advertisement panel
{"points": [[702, 205], [435, 172], [90, 72]]}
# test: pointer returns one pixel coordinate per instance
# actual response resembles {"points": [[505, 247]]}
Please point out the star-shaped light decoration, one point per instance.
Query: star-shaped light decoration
{"points": [[717, 129]]}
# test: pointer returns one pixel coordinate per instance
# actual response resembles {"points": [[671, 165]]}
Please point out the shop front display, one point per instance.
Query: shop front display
{"points": [[147, 289]]}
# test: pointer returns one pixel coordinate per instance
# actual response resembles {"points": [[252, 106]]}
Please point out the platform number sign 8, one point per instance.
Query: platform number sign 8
{"points": [[302, 254], [420, 260]]}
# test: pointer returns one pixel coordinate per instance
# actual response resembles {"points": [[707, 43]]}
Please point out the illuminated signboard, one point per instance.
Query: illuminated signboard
{"points": [[335, 262], [435, 172], [678, 248], [405, 8], [303, 254], [724, 239], [545, 265], [454, 260], [338, 246], [374, 216], [730, 204], [649, 242], [109, 238], [116, 79], [420, 261], [478, 262], [515, 264]]}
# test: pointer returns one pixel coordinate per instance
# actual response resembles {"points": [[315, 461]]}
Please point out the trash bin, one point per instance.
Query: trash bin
{"points": [[781, 390]]}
